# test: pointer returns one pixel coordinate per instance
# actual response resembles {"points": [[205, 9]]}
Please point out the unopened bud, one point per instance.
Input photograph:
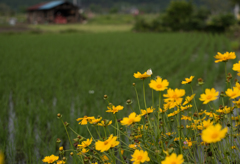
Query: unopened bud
{"points": [[58, 140], [59, 115], [134, 84], [105, 96], [229, 75], [200, 81], [71, 153], [61, 148], [236, 80], [66, 124], [129, 102], [222, 94], [221, 107], [64, 159]]}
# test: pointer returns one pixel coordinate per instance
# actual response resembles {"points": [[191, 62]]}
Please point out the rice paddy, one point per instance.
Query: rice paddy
{"points": [[45, 74]]}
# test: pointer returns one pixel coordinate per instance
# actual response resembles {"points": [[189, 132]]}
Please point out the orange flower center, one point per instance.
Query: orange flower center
{"points": [[214, 135], [174, 96], [233, 94], [115, 110], [105, 142], [51, 161], [139, 158], [130, 121], [174, 162], [159, 86], [209, 97]]}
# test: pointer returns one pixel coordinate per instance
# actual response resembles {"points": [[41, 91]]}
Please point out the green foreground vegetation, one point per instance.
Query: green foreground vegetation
{"points": [[45, 74]]}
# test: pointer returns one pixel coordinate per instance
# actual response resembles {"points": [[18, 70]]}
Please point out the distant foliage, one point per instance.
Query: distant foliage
{"points": [[184, 16]]}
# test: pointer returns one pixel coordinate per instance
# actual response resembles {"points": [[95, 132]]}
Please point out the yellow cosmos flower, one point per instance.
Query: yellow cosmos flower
{"points": [[105, 123], [225, 110], [188, 99], [237, 85], [213, 133], [138, 75], [85, 120], [173, 159], [131, 119], [224, 57], [174, 95], [140, 156], [159, 84], [50, 159], [236, 67], [185, 107], [95, 121], [114, 109], [83, 151], [104, 158], [61, 162], [105, 145], [186, 118], [144, 112], [86, 143], [169, 105], [210, 95], [132, 146], [188, 80], [1, 158], [233, 93], [237, 103]]}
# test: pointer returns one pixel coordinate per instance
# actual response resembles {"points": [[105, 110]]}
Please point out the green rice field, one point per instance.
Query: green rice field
{"points": [[45, 74]]}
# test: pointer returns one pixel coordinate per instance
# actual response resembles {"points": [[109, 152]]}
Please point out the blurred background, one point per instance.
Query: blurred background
{"points": [[63, 56]]}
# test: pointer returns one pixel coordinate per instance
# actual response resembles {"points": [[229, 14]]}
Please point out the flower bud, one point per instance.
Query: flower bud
{"points": [[229, 75], [58, 140], [61, 148], [129, 102], [221, 107], [200, 81], [64, 159], [222, 94], [236, 80], [71, 153], [105, 97], [66, 124], [59, 115], [134, 84]]}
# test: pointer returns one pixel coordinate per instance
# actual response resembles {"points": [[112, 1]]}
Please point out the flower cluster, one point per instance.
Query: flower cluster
{"points": [[199, 127]]}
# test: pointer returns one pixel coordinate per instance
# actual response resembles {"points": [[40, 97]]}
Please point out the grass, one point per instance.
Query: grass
{"points": [[45, 74]]}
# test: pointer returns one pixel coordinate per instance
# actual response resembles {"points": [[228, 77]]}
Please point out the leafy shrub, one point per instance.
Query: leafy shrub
{"points": [[219, 23]]}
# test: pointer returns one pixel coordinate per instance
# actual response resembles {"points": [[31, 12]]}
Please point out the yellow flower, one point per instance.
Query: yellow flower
{"points": [[105, 145], [233, 93], [140, 156], [209, 95], [50, 159], [85, 120], [185, 107], [213, 133], [225, 110], [237, 85], [169, 105], [233, 147], [237, 103], [224, 57], [114, 109], [188, 80], [173, 159], [188, 99], [105, 123], [61, 148], [61, 162], [174, 95], [85, 143], [104, 158], [132, 146], [131, 119], [95, 121], [144, 112], [159, 84], [207, 123], [236, 67], [138, 75], [186, 118], [1, 158]]}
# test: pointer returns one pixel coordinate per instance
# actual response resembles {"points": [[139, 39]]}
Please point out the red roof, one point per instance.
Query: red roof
{"points": [[35, 7]]}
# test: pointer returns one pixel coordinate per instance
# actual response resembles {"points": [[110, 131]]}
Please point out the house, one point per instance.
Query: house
{"points": [[58, 11]]}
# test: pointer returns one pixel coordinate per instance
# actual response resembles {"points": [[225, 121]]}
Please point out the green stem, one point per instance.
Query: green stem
{"points": [[144, 98], [137, 99]]}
